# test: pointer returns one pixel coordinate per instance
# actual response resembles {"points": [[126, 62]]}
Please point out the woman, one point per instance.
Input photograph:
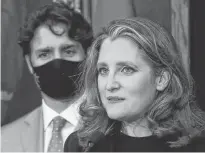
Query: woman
{"points": [[139, 96]]}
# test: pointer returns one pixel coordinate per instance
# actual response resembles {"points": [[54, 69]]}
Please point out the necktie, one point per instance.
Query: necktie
{"points": [[56, 142]]}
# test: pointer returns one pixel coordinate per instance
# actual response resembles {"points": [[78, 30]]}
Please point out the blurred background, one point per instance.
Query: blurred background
{"points": [[185, 19]]}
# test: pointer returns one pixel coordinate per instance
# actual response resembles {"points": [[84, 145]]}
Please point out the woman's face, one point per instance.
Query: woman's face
{"points": [[126, 81]]}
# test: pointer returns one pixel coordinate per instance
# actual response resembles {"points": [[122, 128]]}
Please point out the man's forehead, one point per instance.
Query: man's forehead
{"points": [[44, 32], [59, 28], [45, 37], [55, 28]]}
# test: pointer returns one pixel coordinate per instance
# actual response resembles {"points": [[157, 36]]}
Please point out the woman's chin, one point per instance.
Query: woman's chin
{"points": [[115, 116]]}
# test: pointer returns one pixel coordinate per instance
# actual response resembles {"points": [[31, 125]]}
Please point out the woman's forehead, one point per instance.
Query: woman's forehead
{"points": [[120, 50]]}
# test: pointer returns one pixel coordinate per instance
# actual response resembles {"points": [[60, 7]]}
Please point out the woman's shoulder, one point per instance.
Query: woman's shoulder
{"points": [[104, 144], [196, 145], [72, 143]]}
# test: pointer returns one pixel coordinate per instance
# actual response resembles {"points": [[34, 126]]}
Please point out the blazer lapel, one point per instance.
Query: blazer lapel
{"points": [[32, 136]]}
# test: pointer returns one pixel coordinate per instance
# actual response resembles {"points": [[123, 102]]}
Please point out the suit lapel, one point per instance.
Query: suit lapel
{"points": [[32, 136]]}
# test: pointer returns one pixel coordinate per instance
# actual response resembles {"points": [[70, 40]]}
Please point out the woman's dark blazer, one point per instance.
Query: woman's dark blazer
{"points": [[72, 144]]}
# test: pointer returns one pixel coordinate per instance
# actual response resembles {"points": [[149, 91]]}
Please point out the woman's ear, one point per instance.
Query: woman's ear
{"points": [[162, 80]]}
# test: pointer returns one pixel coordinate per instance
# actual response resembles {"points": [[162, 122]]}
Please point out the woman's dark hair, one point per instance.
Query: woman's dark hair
{"points": [[78, 28]]}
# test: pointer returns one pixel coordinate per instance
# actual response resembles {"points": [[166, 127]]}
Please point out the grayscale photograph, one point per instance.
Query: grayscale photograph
{"points": [[102, 76]]}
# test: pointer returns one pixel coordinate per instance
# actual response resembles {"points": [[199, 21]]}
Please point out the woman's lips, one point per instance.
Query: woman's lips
{"points": [[115, 99]]}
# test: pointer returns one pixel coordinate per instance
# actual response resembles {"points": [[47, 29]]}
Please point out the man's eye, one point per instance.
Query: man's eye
{"points": [[70, 52], [43, 55], [103, 71], [128, 70]]}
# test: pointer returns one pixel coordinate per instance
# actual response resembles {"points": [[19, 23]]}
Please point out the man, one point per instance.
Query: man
{"points": [[54, 40]]}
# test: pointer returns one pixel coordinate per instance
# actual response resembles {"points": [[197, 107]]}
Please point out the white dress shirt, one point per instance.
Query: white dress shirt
{"points": [[70, 114]]}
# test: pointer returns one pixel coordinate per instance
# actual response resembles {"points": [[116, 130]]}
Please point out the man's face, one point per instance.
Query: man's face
{"points": [[50, 48], [46, 46]]}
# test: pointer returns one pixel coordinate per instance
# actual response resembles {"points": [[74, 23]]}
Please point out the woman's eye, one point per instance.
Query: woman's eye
{"points": [[127, 70], [103, 71]]}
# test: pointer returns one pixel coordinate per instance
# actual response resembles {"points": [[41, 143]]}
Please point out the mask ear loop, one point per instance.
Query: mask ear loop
{"points": [[31, 67], [36, 78]]}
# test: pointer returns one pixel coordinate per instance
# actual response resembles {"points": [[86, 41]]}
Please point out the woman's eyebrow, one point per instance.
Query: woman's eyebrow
{"points": [[101, 64], [126, 63]]}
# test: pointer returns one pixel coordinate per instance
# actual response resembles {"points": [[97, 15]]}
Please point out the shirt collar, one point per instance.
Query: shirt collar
{"points": [[70, 114]]}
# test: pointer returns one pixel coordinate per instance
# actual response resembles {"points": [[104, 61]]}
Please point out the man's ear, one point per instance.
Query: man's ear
{"points": [[162, 80], [29, 63]]}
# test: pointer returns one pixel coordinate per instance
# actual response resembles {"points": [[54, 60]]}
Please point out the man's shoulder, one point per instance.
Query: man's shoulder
{"points": [[12, 133], [14, 127]]}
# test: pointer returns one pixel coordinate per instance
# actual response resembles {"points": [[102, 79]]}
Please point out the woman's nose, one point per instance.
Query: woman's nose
{"points": [[112, 84]]}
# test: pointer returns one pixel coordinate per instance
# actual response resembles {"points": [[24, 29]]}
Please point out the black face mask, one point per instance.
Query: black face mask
{"points": [[57, 78]]}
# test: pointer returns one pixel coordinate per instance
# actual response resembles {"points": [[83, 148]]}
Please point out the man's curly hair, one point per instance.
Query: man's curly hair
{"points": [[78, 28]]}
